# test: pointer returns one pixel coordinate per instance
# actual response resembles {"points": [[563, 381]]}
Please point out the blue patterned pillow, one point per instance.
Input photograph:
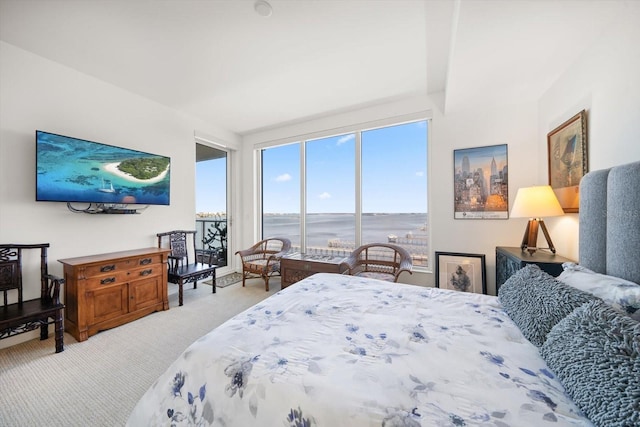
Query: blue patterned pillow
{"points": [[536, 301], [595, 352], [621, 294]]}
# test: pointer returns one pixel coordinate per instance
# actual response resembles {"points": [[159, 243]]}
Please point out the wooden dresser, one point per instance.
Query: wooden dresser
{"points": [[107, 290]]}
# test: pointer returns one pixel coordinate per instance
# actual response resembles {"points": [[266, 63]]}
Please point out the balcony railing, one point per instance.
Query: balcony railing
{"points": [[211, 238]]}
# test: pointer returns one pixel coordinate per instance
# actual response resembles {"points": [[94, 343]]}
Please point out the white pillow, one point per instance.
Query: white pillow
{"points": [[621, 294]]}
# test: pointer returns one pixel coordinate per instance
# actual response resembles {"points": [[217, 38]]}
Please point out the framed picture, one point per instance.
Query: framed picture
{"points": [[461, 272], [481, 187], [567, 153]]}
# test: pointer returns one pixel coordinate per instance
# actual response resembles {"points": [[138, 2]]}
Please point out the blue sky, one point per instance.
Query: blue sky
{"points": [[394, 175], [211, 183]]}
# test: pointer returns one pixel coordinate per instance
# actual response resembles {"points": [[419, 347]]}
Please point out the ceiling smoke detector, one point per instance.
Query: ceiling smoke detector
{"points": [[263, 8]]}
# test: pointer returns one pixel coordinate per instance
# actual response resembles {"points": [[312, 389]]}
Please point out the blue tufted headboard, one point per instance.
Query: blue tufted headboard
{"points": [[610, 221]]}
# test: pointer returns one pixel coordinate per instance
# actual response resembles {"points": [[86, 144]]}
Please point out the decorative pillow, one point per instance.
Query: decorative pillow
{"points": [[621, 294], [595, 353], [536, 301]]}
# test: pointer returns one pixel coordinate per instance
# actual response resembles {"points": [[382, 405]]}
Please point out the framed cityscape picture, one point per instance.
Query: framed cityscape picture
{"points": [[567, 153], [481, 187], [461, 272]]}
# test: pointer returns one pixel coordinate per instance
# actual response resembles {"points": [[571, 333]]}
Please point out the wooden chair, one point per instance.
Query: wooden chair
{"points": [[383, 261], [24, 316], [263, 259], [181, 270]]}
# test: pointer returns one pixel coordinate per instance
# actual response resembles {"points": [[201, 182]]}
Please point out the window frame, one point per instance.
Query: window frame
{"points": [[356, 129]]}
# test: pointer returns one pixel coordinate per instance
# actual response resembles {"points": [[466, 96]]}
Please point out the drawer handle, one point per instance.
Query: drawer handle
{"points": [[146, 272], [107, 280], [106, 268], [145, 261]]}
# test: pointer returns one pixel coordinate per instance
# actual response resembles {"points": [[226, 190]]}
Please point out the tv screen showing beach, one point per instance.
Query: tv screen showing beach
{"points": [[76, 170]]}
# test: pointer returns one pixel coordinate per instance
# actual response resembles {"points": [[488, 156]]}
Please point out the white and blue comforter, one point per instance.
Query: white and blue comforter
{"points": [[336, 350]]}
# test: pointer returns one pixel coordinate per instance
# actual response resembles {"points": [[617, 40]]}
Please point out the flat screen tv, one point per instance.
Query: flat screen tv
{"points": [[75, 170]]}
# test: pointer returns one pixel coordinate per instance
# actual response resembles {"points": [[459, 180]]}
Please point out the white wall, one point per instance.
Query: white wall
{"points": [[512, 125], [39, 94], [604, 81]]}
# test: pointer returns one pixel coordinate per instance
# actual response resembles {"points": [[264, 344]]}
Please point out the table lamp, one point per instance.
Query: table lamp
{"points": [[535, 203]]}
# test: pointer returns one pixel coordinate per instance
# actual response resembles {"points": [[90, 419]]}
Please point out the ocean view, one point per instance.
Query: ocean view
{"points": [[325, 228], [334, 233]]}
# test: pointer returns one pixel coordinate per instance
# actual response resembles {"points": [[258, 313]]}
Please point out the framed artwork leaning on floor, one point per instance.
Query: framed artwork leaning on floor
{"points": [[461, 272]]}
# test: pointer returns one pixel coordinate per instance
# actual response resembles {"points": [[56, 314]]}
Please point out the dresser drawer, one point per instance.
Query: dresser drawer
{"points": [[122, 265], [116, 277], [123, 276]]}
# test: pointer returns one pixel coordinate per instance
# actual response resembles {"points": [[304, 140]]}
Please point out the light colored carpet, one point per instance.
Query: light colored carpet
{"points": [[98, 382]]}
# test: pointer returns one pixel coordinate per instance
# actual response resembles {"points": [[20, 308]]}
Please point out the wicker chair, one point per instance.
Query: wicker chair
{"points": [[263, 259], [383, 261]]}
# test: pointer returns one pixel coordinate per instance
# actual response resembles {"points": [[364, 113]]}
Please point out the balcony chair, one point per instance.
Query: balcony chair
{"points": [[24, 316], [383, 261], [181, 270], [263, 259]]}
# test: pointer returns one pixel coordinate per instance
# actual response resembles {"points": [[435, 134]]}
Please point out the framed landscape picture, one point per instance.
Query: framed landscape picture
{"points": [[461, 272], [481, 187], [567, 153]]}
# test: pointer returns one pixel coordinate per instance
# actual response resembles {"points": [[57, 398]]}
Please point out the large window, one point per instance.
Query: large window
{"points": [[394, 187], [281, 192], [333, 194]]}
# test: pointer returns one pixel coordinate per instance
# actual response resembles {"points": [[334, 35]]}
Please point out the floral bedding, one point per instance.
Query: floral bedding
{"points": [[336, 350]]}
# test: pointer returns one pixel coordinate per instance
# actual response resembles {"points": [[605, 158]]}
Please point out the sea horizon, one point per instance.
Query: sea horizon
{"points": [[336, 231]]}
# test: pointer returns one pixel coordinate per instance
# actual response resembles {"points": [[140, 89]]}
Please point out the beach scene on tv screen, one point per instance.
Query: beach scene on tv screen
{"points": [[75, 170]]}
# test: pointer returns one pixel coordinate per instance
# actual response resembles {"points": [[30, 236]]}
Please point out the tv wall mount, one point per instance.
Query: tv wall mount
{"points": [[108, 208]]}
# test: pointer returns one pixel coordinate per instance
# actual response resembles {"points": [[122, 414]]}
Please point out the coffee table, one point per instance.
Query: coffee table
{"points": [[295, 266]]}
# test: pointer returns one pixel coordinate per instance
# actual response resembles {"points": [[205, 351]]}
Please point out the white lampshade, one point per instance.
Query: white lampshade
{"points": [[536, 202]]}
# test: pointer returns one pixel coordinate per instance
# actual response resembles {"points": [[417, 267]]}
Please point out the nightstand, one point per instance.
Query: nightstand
{"points": [[509, 260]]}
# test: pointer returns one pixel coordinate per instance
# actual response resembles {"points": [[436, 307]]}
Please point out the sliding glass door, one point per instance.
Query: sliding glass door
{"points": [[212, 201]]}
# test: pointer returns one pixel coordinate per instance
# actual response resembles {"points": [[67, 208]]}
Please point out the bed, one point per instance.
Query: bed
{"points": [[336, 350]]}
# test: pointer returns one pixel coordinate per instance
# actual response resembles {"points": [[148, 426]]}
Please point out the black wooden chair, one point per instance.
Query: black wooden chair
{"points": [[24, 316], [181, 270]]}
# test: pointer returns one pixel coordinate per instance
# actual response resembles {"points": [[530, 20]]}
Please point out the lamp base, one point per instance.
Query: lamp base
{"points": [[530, 239]]}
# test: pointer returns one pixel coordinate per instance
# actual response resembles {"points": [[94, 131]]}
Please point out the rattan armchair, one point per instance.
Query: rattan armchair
{"points": [[263, 259], [383, 261]]}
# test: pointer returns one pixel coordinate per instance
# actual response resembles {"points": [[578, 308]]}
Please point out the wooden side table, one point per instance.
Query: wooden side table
{"points": [[511, 259], [296, 266]]}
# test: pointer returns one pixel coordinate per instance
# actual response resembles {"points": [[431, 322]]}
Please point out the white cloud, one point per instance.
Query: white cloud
{"points": [[284, 177], [346, 138], [324, 195], [419, 173]]}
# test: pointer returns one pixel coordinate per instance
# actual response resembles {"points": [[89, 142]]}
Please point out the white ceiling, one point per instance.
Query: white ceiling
{"points": [[221, 61]]}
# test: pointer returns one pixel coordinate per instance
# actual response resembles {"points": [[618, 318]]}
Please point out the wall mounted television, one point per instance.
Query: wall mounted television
{"points": [[80, 171]]}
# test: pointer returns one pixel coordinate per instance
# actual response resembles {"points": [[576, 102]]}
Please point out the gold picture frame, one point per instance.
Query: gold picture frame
{"points": [[567, 156]]}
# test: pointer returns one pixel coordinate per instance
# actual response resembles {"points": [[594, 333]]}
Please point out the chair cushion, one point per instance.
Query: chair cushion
{"points": [[377, 275], [258, 266]]}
